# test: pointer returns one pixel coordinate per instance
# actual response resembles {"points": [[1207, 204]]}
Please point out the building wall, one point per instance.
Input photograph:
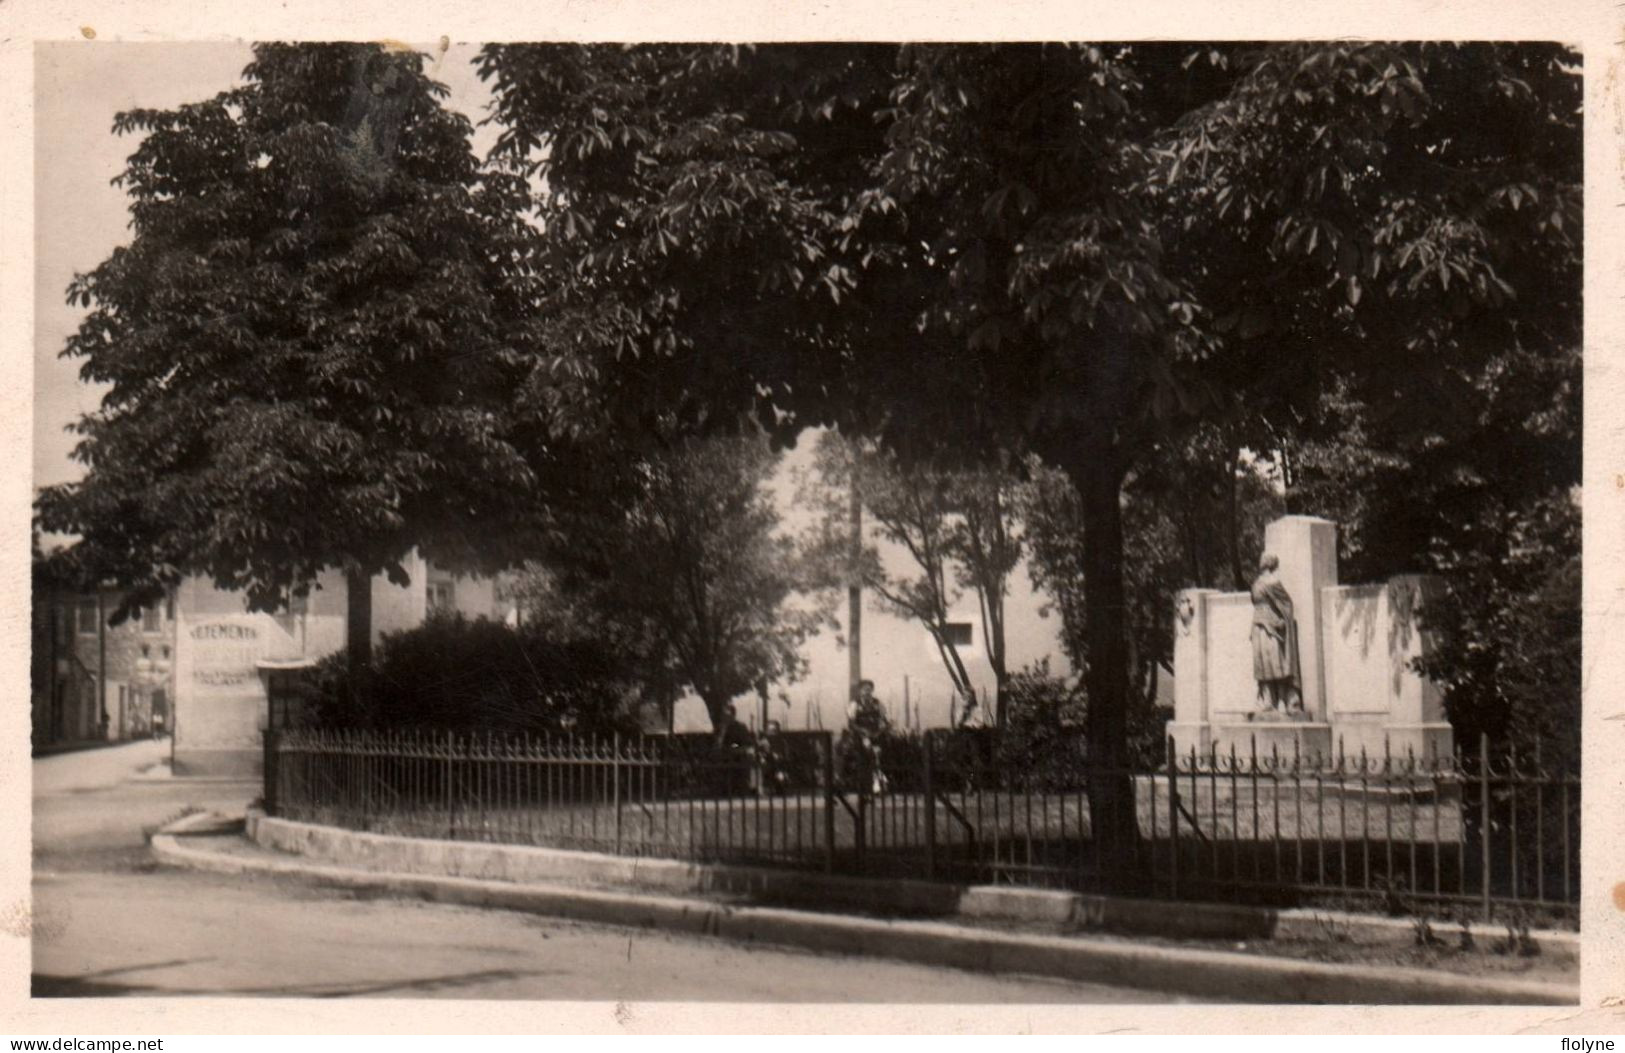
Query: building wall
{"points": [[221, 703], [67, 700], [221, 700], [471, 597], [398, 607], [897, 653]]}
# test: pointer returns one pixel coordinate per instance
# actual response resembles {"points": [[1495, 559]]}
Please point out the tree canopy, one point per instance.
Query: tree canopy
{"points": [[1069, 250], [336, 335], [313, 339]]}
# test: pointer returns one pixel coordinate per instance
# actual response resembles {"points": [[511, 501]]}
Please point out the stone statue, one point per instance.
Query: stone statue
{"points": [[1275, 642]]}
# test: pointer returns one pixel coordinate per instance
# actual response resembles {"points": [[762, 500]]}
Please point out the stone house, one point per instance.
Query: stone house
{"points": [[91, 680]]}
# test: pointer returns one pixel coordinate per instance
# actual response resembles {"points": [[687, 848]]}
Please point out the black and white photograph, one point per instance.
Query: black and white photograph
{"points": [[834, 520]]}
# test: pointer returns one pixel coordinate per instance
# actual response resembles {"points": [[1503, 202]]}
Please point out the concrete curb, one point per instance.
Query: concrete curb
{"points": [[1063, 912], [1200, 973], [160, 771]]}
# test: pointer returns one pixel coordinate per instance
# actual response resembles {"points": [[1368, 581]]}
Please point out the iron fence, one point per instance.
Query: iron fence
{"points": [[1493, 834]]}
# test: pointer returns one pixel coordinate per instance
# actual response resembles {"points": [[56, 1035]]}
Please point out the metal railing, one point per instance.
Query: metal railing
{"points": [[1490, 835]]}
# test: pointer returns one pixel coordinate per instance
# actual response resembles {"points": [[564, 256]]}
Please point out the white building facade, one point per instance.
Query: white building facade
{"points": [[223, 652]]}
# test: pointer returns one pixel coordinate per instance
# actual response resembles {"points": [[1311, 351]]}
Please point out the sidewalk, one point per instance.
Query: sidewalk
{"points": [[53, 749], [986, 940], [109, 765]]}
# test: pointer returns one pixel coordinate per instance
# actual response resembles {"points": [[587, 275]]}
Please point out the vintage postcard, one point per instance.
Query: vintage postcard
{"points": [[812, 519]]}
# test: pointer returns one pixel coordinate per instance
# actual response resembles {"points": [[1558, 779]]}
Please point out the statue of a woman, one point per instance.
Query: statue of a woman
{"points": [[1275, 641]]}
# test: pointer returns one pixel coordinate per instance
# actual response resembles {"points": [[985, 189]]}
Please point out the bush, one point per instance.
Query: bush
{"points": [[452, 674], [1044, 727]]}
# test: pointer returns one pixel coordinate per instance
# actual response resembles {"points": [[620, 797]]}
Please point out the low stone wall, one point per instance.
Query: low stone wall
{"points": [[524, 864], [1064, 912]]}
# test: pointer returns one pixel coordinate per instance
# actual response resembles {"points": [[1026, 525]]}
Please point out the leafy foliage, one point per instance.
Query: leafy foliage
{"points": [[956, 524], [1193, 515], [1072, 251], [452, 674], [312, 339], [684, 569]]}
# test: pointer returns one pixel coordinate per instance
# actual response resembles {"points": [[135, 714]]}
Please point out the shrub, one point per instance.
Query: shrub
{"points": [[452, 674], [1043, 731]]}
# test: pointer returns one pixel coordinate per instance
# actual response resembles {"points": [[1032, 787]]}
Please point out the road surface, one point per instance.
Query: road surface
{"points": [[110, 922]]}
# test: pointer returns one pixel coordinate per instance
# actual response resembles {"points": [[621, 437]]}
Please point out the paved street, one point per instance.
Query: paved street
{"points": [[109, 922]]}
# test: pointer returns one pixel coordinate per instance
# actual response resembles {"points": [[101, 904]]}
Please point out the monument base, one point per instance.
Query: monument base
{"points": [[1307, 741], [1190, 736], [1399, 742]]}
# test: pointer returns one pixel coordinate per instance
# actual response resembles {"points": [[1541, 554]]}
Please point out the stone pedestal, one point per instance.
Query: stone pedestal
{"points": [[1306, 742], [1425, 742]]}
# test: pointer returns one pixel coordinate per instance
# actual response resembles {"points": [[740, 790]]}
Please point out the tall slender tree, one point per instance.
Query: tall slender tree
{"points": [[312, 340], [685, 562], [955, 527]]}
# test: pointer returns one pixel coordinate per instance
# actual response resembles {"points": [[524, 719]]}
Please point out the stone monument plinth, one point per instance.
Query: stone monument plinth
{"points": [[1356, 649]]}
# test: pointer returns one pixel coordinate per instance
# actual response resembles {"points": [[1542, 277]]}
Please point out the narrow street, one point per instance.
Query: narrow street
{"points": [[110, 922]]}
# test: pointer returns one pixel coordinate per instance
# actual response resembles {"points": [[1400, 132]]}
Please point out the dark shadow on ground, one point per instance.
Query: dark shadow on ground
{"points": [[91, 986]]}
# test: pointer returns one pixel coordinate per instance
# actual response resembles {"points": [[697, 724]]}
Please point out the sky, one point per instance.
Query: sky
{"points": [[80, 217]]}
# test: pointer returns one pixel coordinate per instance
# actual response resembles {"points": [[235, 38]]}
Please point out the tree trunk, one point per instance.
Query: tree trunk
{"points": [[358, 617], [715, 703], [1098, 476], [358, 639]]}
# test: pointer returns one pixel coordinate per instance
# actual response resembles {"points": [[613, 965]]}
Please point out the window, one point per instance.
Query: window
{"points": [[958, 633], [441, 596], [149, 619], [169, 606], [87, 616]]}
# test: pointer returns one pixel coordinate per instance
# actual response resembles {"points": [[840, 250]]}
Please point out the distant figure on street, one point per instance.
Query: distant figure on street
{"points": [[1275, 641], [771, 759], [866, 723], [736, 746]]}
